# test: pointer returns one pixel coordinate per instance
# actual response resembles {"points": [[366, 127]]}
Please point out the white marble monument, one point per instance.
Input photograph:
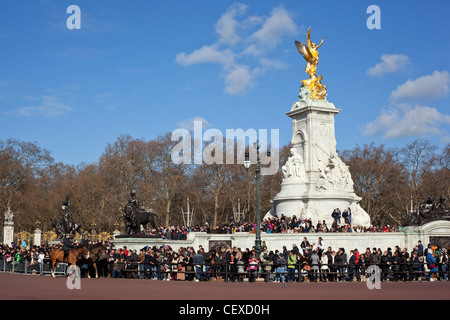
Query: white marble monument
{"points": [[315, 180], [8, 227]]}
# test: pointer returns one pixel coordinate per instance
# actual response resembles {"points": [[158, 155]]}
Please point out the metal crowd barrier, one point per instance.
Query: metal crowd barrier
{"points": [[297, 274], [26, 267]]}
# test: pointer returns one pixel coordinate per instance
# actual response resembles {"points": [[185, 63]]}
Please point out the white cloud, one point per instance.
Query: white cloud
{"points": [[227, 25], [206, 54], [279, 23], [49, 107], [424, 88], [189, 124], [238, 38], [404, 120], [408, 114], [238, 80], [253, 50], [390, 63], [271, 63]]}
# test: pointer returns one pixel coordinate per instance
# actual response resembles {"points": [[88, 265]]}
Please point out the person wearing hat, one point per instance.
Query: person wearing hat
{"points": [[67, 246], [85, 242]]}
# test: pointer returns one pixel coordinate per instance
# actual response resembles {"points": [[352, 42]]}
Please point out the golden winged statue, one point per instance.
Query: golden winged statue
{"points": [[311, 55]]}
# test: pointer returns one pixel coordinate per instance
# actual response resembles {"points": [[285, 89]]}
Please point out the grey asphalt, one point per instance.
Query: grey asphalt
{"points": [[35, 287]]}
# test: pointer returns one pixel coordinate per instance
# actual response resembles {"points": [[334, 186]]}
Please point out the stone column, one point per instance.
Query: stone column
{"points": [[8, 227], [37, 237]]}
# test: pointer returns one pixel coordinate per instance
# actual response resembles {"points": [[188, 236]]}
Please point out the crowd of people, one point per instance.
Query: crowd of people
{"points": [[22, 254], [309, 262], [305, 263], [341, 223], [295, 225]]}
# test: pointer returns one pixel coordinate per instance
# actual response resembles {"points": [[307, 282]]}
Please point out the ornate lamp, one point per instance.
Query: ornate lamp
{"points": [[258, 175]]}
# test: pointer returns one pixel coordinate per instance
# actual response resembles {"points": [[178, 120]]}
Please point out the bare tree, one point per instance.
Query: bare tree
{"points": [[380, 179], [20, 162], [420, 159]]}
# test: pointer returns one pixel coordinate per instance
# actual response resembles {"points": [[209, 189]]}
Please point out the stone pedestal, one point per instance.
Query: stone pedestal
{"points": [[37, 238], [315, 180], [8, 234], [8, 227]]}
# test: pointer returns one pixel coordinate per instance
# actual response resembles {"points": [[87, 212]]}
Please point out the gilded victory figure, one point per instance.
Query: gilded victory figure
{"points": [[311, 55]]}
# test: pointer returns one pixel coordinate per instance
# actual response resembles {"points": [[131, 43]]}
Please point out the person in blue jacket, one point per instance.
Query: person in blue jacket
{"points": [[431, 262]]}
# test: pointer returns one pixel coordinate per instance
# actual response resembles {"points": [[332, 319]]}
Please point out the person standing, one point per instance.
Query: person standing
{"points": [[291, 264], [419, 248], [404, 258], [280, 268], [252, 268], [199, 261], [443, 264], [324, 270], [338, 216], [375, 257], [41, 258], [333, 266], [342, 263], [315, 263], [179, 267], [141, 266], [431, 263], [320, 246], [351, 266], [147, 272], [153, 263], [334, 216], [219, 264], [385, 265], [362, 266], [188, 262], [345, 216], [240, 266], [304, 245], [396, 265]]}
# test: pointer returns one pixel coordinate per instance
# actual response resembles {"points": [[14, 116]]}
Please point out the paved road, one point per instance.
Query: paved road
{"points": [[26, 287]]}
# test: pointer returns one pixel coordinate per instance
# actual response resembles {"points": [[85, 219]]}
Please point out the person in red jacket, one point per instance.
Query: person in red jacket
{"points": [[357, 265]]}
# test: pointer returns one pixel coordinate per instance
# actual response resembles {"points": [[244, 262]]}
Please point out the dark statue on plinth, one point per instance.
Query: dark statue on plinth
{"points": [[135, 216], [429, 211], [66, 225]]}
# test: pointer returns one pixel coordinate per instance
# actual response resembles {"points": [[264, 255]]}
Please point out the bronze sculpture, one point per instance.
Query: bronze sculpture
{"points": [[134, 216], [66, 225], [429, 211]]}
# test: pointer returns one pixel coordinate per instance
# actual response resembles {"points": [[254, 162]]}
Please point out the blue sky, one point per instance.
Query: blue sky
{"points": [[145, 68]]}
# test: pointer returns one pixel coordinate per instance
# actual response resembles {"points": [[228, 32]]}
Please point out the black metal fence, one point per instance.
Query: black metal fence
{"points": [[26, 266], [239, 272], [269, 273]]}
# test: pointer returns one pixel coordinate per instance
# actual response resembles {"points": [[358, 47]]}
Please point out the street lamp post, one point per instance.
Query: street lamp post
{"points": [[258, 246]]}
